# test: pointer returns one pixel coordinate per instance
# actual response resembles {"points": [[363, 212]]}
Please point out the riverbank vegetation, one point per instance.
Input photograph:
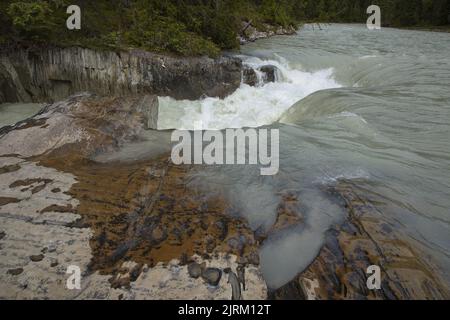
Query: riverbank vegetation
{"points": [[395, 13], [190, 27], [179, 26]]}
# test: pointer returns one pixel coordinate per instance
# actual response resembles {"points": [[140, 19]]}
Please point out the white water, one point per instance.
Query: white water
{"points": [[248, 106]]}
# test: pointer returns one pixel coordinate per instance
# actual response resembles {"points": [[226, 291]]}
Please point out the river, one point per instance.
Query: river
{"points": [[367, 107], [372, 107]]}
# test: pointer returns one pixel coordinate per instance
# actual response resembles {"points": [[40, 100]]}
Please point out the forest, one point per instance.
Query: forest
{"points": [[191, 27]]}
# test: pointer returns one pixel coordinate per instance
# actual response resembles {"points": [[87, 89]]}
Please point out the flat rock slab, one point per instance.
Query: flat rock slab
{"points": [[60, 209]]}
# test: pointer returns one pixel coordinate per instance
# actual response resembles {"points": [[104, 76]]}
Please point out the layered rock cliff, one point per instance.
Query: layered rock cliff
{"points": [[52, 74]]}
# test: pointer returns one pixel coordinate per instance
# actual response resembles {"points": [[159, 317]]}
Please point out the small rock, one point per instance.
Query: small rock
{"points": [[195, 270], [2, 235], [235, 244], [269, 73], [212, 276], [51, 247], [37, 258]]}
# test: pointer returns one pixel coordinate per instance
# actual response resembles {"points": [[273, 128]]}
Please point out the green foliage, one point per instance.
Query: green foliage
{"points": [[394, 12], [162, 34], [31, 18], [191, 27]]}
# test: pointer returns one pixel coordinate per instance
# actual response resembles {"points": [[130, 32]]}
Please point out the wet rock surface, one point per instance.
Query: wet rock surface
{"points": [[260, 76], [365, 239], [119, 222], [269, 73], [137, 231], [80, 125], [250, 77]]}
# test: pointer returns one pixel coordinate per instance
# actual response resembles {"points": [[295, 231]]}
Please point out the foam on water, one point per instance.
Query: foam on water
{"points": [[248, 106]]}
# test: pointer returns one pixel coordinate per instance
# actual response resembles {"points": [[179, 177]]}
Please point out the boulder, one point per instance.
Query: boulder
{"points": [[269, 73], [194, 270], [212, 276]]}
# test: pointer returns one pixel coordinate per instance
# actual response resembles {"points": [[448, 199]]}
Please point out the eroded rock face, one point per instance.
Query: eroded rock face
{"points": [[53, 74]]}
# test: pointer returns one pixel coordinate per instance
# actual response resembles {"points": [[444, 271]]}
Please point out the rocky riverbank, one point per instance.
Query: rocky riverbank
{"points": [[53, 74], [134, 229], [50, 74], [251, 33], [138, 232]]}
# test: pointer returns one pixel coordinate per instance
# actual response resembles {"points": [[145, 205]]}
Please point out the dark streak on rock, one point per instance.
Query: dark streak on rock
{"points": [[29, 182], [15, 272], [11, 168], [57, 208], [7, 200]]}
